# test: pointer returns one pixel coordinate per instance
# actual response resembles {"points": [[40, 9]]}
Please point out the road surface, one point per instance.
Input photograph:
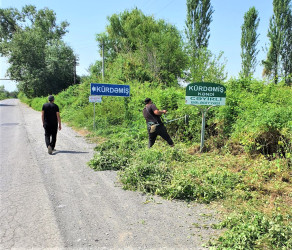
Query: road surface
{"points": [[57, 201]]}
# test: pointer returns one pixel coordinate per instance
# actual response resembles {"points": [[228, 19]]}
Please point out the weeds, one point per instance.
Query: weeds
{"points": [[256, 230], [246, 167]]}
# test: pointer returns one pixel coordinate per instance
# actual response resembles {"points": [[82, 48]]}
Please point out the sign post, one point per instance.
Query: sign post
{"points": [[97, 90], [205, 94], [94, 99]]}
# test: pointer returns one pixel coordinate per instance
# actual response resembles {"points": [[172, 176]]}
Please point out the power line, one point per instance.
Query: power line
{"points": [[170, 2]]}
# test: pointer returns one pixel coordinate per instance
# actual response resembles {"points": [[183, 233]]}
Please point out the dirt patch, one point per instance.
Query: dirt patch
{"points": [[89, 135], [194, 150], [82, 132], [235, 148]]}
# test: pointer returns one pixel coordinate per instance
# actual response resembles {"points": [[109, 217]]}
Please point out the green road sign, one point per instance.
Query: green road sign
{"points": [[205, 93]]}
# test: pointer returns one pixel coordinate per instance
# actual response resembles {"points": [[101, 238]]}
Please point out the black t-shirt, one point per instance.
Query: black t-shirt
{"points": [[148, 113], [50, 113]]}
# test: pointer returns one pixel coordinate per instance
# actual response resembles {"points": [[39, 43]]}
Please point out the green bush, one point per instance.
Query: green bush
{"points": [[257, 231], [22, 97], [109, 161], [37, 103], [257, 116]]}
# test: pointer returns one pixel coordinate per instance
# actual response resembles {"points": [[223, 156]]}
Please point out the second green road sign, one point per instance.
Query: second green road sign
{"points": [[205, 93]]}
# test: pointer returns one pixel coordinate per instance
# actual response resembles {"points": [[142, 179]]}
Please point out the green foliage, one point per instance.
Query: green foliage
{"points": [[256, 230], [227, 128], [37, 103], [114, 154], [23, 98], [279, 63], [150, 171], [8, 24], [4, 94], [39, 60], [162, 172], [258, 116], [199, 18], [137, 47], [109, 161], [202, 65], [205, 67], [249, 41]]}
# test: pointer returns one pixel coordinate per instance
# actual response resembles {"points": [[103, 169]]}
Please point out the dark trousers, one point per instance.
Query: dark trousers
{"points": [[160, 130], [51, 135]]}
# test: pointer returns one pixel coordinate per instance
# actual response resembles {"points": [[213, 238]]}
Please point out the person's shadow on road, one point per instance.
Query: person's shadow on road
{"points": [[6, 105], [68, 152]]}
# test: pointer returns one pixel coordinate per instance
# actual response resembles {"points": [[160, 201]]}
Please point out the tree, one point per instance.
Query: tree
{"points": [[139, 47], [203, 66], [3, 93], [39, 60], [279, 58], [286, 51], [199, 18], [206, 67], [249, 41]]}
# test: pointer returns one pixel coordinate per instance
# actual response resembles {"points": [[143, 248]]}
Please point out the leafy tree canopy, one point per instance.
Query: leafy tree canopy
{"points": [[139, 47], [39, 60]]}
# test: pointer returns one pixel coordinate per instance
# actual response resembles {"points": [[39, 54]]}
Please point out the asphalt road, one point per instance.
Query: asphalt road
{"points": [[57, 201]]}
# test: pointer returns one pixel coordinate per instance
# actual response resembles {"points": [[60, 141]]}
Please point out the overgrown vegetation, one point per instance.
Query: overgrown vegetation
{"points": [[247, 166]]}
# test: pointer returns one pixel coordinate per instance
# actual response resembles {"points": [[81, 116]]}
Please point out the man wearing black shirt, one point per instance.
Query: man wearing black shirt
{"points": [[154, 124], [51, 119]]}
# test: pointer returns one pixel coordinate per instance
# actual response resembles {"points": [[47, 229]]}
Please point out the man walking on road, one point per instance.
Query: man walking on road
{"points": [[51, 119], [154, 124]]}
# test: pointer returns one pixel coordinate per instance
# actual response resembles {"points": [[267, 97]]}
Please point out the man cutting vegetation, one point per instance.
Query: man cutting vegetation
{"points": [[154, 124], [51, 119]]}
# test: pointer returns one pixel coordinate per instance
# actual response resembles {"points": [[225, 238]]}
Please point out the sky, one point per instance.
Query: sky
{"points": [[89, 17]]}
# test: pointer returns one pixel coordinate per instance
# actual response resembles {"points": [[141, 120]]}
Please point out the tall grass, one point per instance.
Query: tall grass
{"points": [[246, 166]]}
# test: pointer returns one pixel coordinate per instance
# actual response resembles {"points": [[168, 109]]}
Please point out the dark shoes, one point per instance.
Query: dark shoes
{"points": [[50, 150]]}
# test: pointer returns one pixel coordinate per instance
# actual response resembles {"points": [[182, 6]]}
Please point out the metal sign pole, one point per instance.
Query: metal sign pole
{"points": [[204, 112], [94, 116], [94, 99], [102, 60]]}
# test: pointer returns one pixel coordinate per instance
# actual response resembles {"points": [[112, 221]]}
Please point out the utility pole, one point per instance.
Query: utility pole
{"points": [[102, 60], [74, 68]]}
